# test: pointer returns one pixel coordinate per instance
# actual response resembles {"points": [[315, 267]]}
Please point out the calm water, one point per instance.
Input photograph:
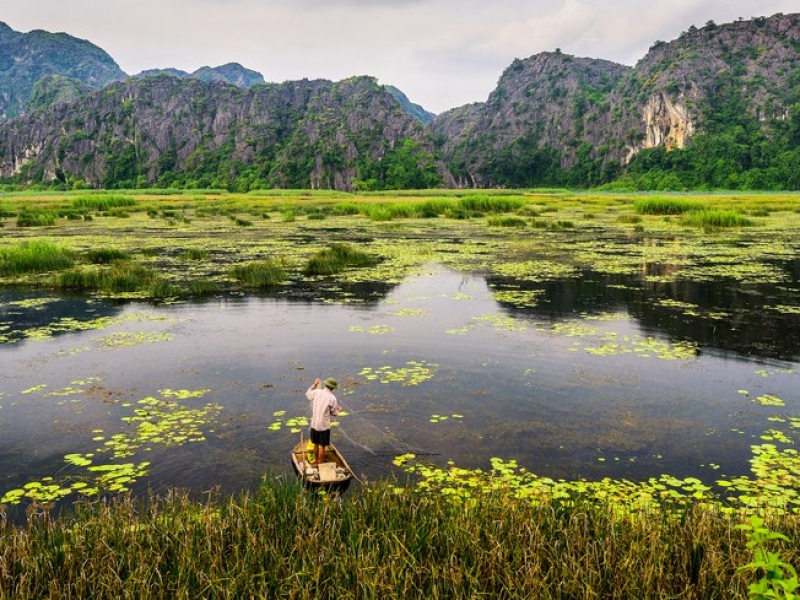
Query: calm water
{"points": [[581, 383]]}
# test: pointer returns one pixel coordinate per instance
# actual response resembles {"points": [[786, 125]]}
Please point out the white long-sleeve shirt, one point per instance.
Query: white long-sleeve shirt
{"points": [[323, 405]]}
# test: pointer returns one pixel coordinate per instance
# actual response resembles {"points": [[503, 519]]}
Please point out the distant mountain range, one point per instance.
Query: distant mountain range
{"points": [[717, 107]]}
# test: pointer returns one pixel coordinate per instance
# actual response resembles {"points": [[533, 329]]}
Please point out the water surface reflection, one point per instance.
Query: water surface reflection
{"points": [[584, 382]]}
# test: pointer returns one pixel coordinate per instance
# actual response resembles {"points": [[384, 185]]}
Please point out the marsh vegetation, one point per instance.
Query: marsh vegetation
{"points": [[628, 360]]}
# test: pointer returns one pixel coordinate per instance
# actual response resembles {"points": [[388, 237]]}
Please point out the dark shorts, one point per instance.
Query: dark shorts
{"points": [[321, 438]]}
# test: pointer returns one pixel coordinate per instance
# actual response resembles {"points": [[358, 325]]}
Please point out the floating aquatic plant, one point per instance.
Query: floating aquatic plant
{"points": [[373, 330], [157, 421], [414, 373]]}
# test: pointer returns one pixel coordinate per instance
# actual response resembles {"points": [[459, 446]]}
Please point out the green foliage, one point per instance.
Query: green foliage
{"points": [[33, 257], [124, 167], [259, 274], [336, 258], [104, 256], [103, 202], [714, 219], [119, 278], [524, 163], [507, 222], [346, 209], [484, 203], [195, 254], [778, 579], [33, 218], [395, 544], [404, 167], [659, 205]]}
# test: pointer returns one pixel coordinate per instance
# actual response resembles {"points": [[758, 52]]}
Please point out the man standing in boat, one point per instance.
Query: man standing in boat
{"points": [[323, 406]]}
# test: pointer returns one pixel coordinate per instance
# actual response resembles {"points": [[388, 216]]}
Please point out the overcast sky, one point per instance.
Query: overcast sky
{"points": [[441, 53]]}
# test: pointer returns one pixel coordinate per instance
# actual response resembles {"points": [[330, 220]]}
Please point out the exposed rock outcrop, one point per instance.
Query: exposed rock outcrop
{"points": [[296, 134]]}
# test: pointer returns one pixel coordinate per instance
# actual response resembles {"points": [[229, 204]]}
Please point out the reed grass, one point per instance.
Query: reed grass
{"points": [[279, 542], [259, 274], [336, 258], [33, 257], [506, 221], [661, 205], [195, 254], [716, 219], [103, 203], [104, 256], [484, 203], [35, 218], [120, 277]]}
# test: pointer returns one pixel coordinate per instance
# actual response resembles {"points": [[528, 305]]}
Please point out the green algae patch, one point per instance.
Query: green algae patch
{"points": [[373, 329], [413, 373], [126, 339], [644, 347], [536, 270]]}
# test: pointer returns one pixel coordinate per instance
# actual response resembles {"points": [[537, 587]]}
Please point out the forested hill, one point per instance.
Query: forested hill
{"points": [[170, 131], [25, 58], [719, 107]]}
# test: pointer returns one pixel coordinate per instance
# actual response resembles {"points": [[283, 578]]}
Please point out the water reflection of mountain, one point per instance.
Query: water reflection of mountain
{"points": [[725, 316]]}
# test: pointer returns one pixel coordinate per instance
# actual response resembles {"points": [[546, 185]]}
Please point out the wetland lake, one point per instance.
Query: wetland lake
{"points": [[575, 357]]}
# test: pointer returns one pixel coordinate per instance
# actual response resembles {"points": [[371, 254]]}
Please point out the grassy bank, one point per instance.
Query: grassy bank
{"points": [[377, 543]]}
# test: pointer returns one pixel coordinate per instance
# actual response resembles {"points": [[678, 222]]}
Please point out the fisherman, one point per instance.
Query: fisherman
{"points": [[323, 406]]}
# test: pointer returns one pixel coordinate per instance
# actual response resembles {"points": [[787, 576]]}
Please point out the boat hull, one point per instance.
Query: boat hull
{"points": [[333, 473]]}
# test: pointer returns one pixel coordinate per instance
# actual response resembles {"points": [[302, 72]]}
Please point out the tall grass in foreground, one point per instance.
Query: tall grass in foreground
{"points": [[336, 258], [33, 257], [281, 543]]}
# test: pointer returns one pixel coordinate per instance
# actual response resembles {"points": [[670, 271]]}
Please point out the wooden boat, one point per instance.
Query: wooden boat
{"points": [[333, 473]]}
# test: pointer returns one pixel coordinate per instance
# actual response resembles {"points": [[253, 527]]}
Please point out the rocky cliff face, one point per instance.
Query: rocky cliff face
{"points": [[578, 109], [296, 134], [546, 99]]}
